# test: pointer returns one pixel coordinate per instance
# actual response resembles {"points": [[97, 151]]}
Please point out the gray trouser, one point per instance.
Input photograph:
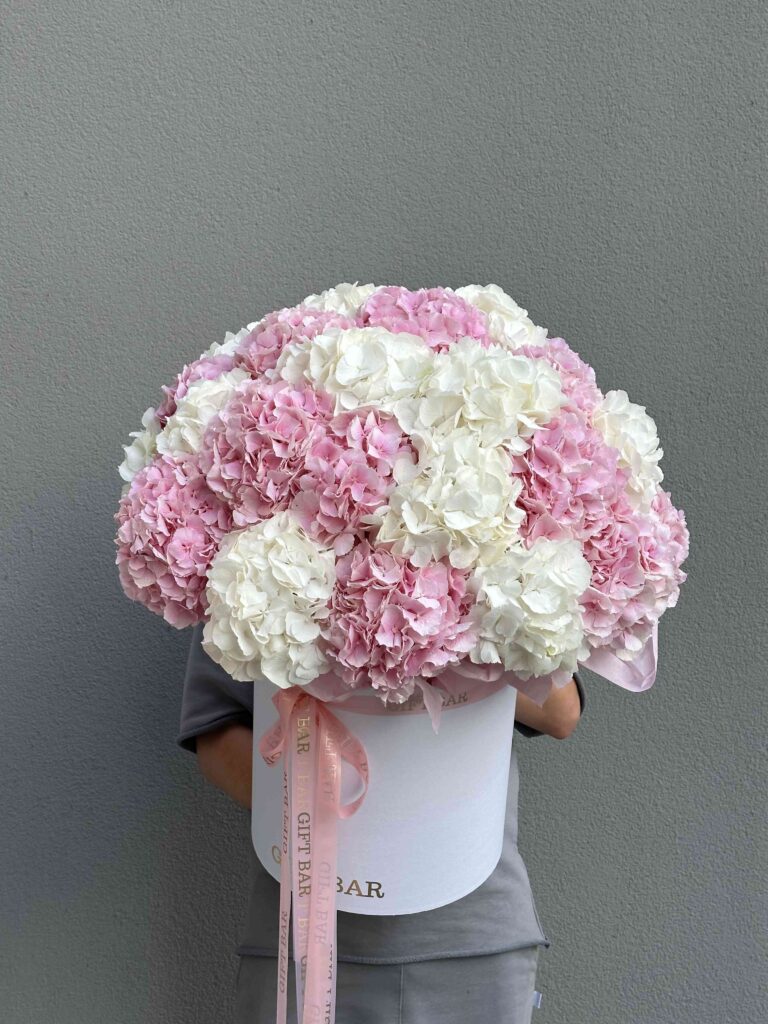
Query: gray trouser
{"points": [[495, 988]]}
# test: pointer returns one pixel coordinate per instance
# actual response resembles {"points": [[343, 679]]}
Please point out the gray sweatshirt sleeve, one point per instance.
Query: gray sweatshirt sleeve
{"points": [[211, 697], [527, 730]]}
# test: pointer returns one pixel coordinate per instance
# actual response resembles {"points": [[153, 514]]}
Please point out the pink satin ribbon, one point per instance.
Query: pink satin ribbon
{"points": [[313, 743]]}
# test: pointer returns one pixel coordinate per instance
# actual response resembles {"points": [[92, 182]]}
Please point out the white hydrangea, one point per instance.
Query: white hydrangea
{"points": [[508, 323], [140, 452], [345, 298], [358, 365], [628, 428], [528, 612], [268, 591], [230, 343], [500, 397], [183, 432], [461, 504]]}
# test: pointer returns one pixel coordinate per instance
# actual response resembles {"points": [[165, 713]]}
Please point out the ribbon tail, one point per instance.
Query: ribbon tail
{"points": [[304, 787], [313, 743], [285, 899], [320, 993], [272, 746]]}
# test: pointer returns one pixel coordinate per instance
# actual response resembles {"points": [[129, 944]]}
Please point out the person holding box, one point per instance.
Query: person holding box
{"points": [[471, 960]]}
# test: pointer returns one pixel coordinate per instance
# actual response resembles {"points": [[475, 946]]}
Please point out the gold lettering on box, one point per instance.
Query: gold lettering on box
{"points": [[460, 698], [373, 889], [416, 701], [354, 888]]}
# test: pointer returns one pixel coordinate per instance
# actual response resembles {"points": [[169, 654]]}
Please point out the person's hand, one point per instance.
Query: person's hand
{"points": [[558, 716]]}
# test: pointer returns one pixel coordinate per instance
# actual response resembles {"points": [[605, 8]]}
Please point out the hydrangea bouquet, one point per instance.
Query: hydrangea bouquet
{"points": [[378, 484], [382, 489]]}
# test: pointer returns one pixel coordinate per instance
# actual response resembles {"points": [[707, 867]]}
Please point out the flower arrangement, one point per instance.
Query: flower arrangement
{"points": [[378, 485], [381, 489]]}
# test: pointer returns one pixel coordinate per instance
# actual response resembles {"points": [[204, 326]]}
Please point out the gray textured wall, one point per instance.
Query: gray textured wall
{"points": [[174, 170]]}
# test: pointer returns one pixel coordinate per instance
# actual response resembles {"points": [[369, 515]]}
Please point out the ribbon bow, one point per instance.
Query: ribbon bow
{"points": [[312, 742]]}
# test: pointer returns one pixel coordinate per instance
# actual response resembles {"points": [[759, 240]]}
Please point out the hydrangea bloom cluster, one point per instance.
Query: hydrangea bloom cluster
{"points": [[383, 483]]}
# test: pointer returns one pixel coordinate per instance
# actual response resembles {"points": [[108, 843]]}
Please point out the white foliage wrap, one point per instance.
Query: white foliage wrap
{"points": [[628, 427], [184, 430], [528, 608], [358, 365], [499, 397], [508, 323], [344, 298], [460, 505], [140, 452], [268, 590]]}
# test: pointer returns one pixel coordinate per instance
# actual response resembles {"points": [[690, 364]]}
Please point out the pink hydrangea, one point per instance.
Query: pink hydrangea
{"points": [[573, 486], [664, 546], [348, 474], [260, 350], [170, 524], [636, 575], [392, 622], [438, 315], [569, 474], [255, 449], [205, 368], [577, 377]]}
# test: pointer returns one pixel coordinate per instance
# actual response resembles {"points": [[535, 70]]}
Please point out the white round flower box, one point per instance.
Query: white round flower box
{"points": [[431, 827]]}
